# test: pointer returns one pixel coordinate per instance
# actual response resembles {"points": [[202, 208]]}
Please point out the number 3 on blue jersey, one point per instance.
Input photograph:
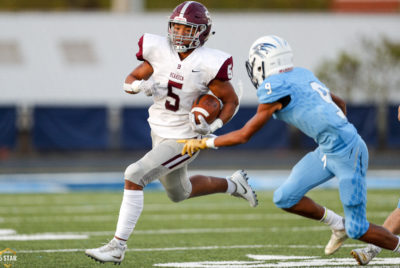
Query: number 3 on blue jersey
{"points": [[326, 96]]}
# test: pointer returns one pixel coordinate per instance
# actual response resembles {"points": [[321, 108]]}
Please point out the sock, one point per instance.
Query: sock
{"points": [[120, 242], [397, 249], [333, 220], [231, 186], [129, 213]]}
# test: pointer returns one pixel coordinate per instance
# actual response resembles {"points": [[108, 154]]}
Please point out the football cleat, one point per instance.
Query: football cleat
{"points": [[111, 252], [336, 241], [364, 255], [243, 189]]}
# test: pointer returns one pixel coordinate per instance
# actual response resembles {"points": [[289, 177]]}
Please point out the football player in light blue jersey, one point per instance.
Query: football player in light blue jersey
{"points": [[364, 255], [297, 97]]}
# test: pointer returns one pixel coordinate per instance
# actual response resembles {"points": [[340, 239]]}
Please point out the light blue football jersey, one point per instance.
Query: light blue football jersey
{"points": [[311, 108]]}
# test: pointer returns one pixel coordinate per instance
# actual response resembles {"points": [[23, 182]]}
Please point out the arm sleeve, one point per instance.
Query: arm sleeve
{"points": [[139, 54], [272, 90], [225, 72]]}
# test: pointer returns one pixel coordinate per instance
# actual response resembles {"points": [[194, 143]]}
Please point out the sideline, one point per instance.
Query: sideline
{"points": [[113, 181]]}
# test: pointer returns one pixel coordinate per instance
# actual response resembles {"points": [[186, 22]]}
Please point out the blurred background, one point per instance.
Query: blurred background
{"points": [[63, 63]]}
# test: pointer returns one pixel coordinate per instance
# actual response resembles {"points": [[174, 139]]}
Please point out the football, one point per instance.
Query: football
{"points": [[207, 106]]}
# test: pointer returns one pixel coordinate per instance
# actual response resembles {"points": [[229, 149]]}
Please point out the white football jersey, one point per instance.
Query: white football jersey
{"points": [[184, 80]]}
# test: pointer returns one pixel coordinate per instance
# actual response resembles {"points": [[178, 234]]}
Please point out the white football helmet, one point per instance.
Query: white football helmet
{"points": [[268, 55]]}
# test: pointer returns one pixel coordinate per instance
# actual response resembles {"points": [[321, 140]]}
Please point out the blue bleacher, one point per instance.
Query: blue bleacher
{"points": [[135, 131], [70, 128], [393, 131], [8, 133]]}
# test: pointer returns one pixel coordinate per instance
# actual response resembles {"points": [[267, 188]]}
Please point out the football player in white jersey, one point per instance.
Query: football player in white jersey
{"points": [[175, 71]]}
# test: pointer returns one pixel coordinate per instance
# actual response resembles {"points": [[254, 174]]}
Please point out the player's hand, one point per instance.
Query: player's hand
{"points": [[149, 88], [156, 90], [193, 145], [133, 88], [203, 128]]}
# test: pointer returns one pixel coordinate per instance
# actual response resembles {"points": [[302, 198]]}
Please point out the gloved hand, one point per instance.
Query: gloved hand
{"points": [[193, 145], [204, 128], [149, 88], [133, 88]]}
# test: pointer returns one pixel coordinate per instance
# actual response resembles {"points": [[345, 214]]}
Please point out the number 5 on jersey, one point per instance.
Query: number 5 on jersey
{"points": [[172, 103]]}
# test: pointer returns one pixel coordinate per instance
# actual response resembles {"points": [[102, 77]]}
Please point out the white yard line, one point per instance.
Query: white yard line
{"points": [[11, 235], [47, 219], [188, 248], [301, 261], [44, 236], [7, 232]]}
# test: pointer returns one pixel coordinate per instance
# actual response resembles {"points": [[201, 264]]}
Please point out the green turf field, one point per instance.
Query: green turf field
{"points": [[213, 231]]}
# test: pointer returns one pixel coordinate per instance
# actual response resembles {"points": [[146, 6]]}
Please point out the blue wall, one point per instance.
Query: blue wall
{"points": [[8, 129], [70, 128], [87, 128]]}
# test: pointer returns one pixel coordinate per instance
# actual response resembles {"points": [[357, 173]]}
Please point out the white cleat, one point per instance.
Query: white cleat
{"points": [[364, 255], [243, 189], [111, 252], [336, 241]]}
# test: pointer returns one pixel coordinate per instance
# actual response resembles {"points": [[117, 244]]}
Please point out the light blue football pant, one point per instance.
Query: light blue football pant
{"points": [[315, 168]]}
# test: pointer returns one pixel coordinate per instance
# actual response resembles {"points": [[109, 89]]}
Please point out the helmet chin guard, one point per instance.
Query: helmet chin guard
{"points": [[268, 55], [194, 15]]}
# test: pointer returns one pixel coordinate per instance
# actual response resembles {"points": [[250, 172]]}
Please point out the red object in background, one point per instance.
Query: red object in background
{"points": [[366, 6]]}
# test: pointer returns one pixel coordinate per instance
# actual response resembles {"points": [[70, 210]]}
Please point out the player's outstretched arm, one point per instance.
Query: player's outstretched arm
{"points": [[398, 113], [264, 113], [243, 135]]}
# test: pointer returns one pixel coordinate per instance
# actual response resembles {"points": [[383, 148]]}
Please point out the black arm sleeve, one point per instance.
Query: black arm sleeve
{"points": [[284, 101]]}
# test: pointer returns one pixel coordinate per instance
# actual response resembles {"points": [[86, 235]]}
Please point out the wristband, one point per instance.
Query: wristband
{"points": [[210, 143], [218, 123]]}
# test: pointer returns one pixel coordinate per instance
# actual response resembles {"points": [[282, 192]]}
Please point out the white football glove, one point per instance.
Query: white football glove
{"points": [[204, 128], [133, 88], [149, 88]]}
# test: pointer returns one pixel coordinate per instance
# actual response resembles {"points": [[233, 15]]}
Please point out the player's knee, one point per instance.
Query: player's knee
{"points": [[282, 199], [177, 197], [354, 229], [133, 173]]}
